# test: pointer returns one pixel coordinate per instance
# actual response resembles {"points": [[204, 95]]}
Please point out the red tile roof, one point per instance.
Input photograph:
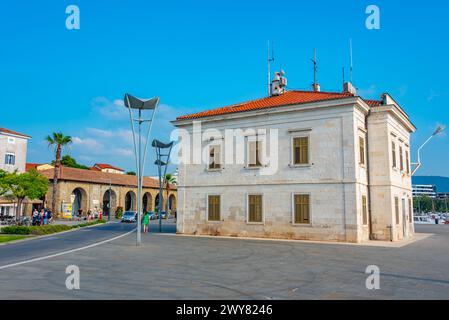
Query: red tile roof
{"points": [[4, 130], [30, 166], [100, 166], [288, 98], [90, 176], [373, 103]]}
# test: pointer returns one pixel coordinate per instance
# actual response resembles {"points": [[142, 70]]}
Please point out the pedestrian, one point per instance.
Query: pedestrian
{"points": [[41, 217], [146, 221], [45, 217], [49, 216]]}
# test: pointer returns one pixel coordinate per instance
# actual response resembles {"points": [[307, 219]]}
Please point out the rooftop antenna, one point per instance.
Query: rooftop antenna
{"points": [[350, 56], [315, 70], [270, 59], [344, 76]]}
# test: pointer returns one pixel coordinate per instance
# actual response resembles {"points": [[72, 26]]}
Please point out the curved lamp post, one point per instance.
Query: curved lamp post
{"points": [[141, 105], [417, 165]]}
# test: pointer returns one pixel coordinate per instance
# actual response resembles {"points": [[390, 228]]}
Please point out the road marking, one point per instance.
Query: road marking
{"points": [[66, 252]]}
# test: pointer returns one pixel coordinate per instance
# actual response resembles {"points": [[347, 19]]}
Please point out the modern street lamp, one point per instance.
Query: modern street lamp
{"points": [[141, 105], [162, 161], [417, 165]]}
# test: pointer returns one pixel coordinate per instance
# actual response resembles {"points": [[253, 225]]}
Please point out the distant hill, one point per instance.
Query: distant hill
{"points": [[442, 183]]}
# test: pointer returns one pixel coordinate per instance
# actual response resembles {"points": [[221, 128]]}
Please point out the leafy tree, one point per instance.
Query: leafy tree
{"points": [[422, 204], [3, 184], [29, 185], [57, 140], [131, 173], [169, 179], [70, 162]]}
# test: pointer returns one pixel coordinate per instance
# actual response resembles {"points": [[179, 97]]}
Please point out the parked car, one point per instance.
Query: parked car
{"points": [[129, 216], [153, 216]]}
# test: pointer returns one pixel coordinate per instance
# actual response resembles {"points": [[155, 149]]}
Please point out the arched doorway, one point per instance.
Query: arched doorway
{"points": [[156, 203], [172, 203], [130, 201], [147, 202], [79, 204], [109, 202]]}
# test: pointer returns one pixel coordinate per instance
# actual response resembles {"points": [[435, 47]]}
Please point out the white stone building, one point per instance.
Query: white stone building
{"points": [[13, 153], [315, 166]]}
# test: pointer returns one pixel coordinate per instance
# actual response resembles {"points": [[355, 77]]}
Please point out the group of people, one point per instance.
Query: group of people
{"points": [[42, 217]]}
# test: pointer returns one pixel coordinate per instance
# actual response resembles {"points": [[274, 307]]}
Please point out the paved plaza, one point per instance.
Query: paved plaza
{"points": [[169, 266]]}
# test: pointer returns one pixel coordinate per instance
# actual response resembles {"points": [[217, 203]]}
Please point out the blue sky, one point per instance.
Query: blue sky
{"points": [[202, 54]]}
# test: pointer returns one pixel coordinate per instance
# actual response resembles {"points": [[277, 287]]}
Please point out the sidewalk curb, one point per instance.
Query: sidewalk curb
{"points": [[31, 237], [379, 244]]}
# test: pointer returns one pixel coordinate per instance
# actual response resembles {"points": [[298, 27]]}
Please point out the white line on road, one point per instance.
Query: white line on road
{"points": [[66, 252]]}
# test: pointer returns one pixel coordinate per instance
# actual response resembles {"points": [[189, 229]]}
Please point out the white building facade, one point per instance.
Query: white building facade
{"points": [[314, 166], [13, 153]]}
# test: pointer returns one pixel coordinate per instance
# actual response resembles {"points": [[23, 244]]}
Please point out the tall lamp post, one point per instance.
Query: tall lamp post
{"points": [[162, 161], [140, 105], [417, 165]]}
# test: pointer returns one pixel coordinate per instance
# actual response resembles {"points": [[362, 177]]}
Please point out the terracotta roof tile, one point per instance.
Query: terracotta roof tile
{"points": [[81, 175], [99, 166], [288, 98], [4, 130], [373, 103]]}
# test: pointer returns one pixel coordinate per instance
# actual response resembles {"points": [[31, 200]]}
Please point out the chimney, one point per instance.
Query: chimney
{"points": [[278, 84], [316, 87], [349, 88]]}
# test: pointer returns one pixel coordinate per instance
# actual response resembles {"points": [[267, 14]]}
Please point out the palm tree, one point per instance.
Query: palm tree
{"points": [[169, 179], [57, 140]]}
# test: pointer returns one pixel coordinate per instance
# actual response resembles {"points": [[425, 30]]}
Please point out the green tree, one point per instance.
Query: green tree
{"points": [[3, 184], [57, 140], [131, 173], [29, 185], [169, 180], [70, 162], [422, 204]]}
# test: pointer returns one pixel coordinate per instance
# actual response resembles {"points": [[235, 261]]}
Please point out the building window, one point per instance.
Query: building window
{"points": [[401, 159], [393, 153], [10, 159], [213, 208], [407, 162], [214, 157], [364, 211], [11, 140], [300, 150], [396, 209], [254, 153], [362, 150], [255, 210], [410, 210], [301, 208]]}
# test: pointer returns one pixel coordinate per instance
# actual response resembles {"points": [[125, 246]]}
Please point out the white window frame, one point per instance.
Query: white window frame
{"points": [[363, 165], [11, 140], [10, 154], [292, 152], [207, 208], [219, 145], [293, 209], [255, 138], [247, 208]]}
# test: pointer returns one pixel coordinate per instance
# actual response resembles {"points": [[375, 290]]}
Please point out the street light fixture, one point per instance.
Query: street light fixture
{"points": [[417, 165], [141, 105]]}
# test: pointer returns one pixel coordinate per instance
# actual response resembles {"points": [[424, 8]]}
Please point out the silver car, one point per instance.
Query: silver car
{"points": [[129, 216]]}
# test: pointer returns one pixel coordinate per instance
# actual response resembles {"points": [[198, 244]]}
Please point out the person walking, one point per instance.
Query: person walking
{"points": [[146, 221], [45, 217], [41, 217]]}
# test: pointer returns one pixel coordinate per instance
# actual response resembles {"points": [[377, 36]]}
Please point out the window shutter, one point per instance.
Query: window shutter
{"points": [[217, 157]]}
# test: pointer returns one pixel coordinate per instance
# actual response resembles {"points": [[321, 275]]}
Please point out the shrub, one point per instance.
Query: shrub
{"points": [[16, 230], [119, 213]]}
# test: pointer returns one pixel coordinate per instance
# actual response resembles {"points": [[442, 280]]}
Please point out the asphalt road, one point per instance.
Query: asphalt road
{"points": [[169, 266]]}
